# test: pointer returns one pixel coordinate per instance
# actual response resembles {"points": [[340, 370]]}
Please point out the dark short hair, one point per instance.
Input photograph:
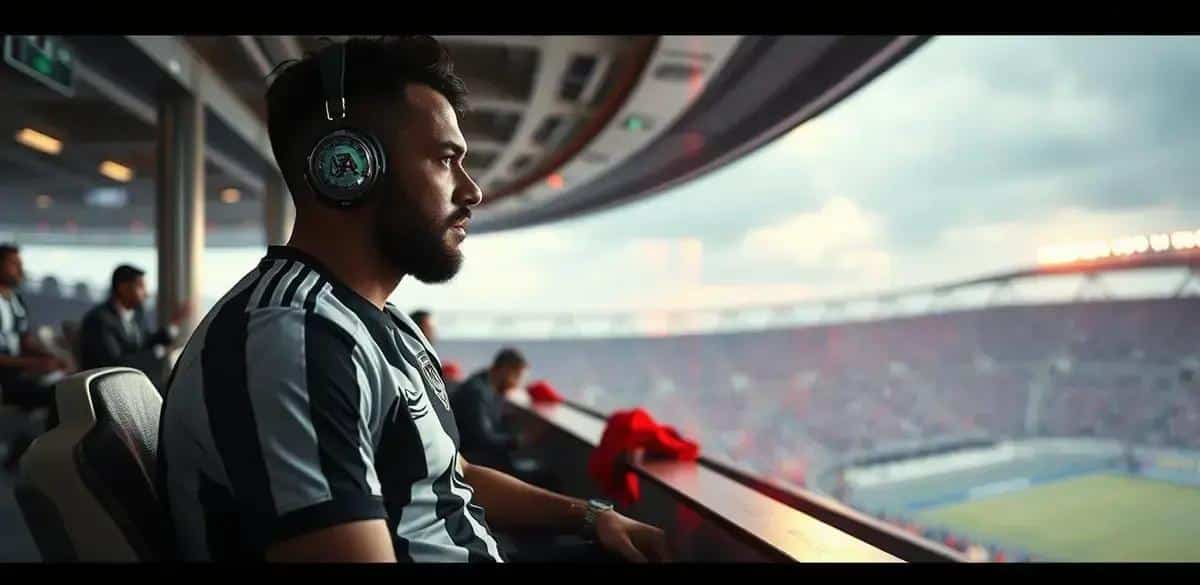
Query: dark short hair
{"points": [[6, 249], [508, 358], [125, 273], [419, 316], [374, 68]]}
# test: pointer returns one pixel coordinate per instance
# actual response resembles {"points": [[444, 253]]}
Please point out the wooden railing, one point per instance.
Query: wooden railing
{"points": [[893, 539], [776, 529]]}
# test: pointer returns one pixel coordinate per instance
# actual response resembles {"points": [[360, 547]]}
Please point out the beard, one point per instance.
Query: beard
{"points": [[415, 246]]}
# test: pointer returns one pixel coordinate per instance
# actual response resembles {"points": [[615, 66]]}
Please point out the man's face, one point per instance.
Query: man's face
{"points": [[133, 293], [511, 378], [12, 271], [423, 214]]}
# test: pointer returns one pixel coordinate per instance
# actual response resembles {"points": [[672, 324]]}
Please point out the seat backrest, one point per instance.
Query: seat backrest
{"points": [[86, 487]]}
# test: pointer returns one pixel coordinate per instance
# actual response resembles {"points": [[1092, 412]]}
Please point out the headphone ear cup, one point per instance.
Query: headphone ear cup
{"points": [[343, 166], [380, 155]]}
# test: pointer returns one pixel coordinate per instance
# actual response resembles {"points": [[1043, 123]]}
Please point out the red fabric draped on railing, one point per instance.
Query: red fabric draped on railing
{"points": [[542, 391], [626, 431]]}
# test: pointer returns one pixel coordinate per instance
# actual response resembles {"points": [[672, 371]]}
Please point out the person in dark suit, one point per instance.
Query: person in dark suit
{"points": [[114, 333], [478, 406], [484, 434]]}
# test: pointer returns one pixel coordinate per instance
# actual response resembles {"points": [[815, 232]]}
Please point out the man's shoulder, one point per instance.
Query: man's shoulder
{"points": [[98, 312], [473, 387], [14, 299], [251, 334], [96, 319], [282, 324]]}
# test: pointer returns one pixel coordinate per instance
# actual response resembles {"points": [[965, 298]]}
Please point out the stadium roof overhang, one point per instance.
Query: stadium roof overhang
{"points": [[559, 125], [756, 90]]}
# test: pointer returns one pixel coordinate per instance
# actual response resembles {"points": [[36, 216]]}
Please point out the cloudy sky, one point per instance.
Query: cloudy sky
{"points": [[957, 162]]}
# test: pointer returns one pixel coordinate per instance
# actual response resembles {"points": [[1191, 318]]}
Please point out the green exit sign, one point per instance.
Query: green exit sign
{"points": [[47, 59]]}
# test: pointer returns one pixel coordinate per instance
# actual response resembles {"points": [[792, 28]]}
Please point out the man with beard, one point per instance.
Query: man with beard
{"points": [[114, 333], [307, 419]]}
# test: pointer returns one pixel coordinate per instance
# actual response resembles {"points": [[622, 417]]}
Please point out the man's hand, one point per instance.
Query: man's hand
{"points": [[38, 365], [632, 540], [61, 364], [513, 505]]}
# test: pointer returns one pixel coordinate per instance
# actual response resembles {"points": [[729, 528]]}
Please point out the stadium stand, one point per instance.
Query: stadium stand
{"points": [[797, 405], [1113, 369]]}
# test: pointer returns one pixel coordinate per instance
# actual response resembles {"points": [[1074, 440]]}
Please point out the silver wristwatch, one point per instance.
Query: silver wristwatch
{"points": [[592, 511]]}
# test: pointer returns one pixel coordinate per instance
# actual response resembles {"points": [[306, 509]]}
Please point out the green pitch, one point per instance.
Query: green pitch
{"points": [[1089, 518]]}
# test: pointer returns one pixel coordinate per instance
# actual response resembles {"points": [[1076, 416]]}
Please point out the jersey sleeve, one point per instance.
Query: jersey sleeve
{"points": [[312, 457]]}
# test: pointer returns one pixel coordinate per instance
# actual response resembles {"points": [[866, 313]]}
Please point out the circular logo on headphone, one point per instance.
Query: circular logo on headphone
{"points": [[342, 162]]}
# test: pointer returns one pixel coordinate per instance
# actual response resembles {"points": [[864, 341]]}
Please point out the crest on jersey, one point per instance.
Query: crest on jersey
{"points": [[412, 397], [433, 377]]}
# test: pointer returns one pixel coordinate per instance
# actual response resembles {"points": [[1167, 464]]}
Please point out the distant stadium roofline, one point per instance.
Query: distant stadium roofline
{"points": [[655, 321], [1180, 259]]}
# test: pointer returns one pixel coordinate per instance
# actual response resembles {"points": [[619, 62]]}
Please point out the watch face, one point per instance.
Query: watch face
{"points": [[600, 505]]}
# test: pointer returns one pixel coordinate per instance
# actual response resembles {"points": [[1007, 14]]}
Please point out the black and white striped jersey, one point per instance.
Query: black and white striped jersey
{"points": [[297, 404], [14, 323]]}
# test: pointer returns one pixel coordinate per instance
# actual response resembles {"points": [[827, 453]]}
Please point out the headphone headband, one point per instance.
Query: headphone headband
{"points": [[333, 77], [344, 164]]}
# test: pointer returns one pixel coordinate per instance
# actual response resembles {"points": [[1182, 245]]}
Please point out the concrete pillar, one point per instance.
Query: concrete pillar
{"points": [[179, 206]]}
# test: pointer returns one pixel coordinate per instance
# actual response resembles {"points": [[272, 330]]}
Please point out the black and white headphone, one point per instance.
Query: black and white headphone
{"points": [[346, 162]]}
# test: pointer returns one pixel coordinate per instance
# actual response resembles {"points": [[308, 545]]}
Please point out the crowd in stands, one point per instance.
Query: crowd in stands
{"points": [[1116, 369], [786, 402]]}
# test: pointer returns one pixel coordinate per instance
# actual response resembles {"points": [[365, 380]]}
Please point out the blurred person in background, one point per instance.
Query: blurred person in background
{"points": [[28, 370], [114, 333], [485, 434], [478, 407], [424, 320], [451, 371]]}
